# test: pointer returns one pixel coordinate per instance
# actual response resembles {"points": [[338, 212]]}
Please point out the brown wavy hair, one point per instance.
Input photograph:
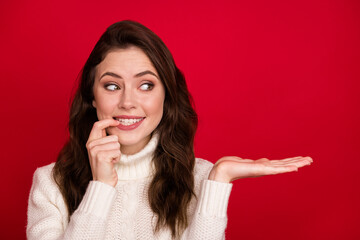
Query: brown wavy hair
{"points": [[171, 188]]}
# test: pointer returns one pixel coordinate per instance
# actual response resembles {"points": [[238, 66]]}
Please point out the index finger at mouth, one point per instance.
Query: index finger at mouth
{"points": [[98, 129]]}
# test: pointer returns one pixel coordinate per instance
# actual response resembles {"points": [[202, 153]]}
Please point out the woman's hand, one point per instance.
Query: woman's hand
{"points": [[103, 152], [228, 169]]}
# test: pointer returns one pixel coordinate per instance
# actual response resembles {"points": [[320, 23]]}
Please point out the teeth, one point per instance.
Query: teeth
{"points": [[127, 122]]}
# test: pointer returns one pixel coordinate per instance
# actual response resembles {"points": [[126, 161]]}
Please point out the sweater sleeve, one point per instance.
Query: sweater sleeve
{"points": [[209, 219], [48, 216]]}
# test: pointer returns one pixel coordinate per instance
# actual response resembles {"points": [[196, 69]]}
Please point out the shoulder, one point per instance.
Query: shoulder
{"points": [[46, 168], [43, 182], [44, 173], [202, 168], [46, 206]]}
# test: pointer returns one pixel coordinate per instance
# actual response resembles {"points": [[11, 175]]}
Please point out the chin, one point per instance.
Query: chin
{"points": [[129, 141], [133, 140]]}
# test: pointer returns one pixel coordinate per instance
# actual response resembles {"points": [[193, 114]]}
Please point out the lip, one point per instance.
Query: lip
{"points": [[128, 117], [129, 127]]}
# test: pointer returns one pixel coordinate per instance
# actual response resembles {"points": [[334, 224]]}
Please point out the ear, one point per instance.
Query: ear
{"points": [[94, 103]]}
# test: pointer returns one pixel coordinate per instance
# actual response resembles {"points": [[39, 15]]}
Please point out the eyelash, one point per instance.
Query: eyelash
{"points": [[150, 86], [111, 84]]}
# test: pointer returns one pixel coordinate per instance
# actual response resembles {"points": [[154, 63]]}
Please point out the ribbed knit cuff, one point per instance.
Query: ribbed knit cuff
{"points": [[214, 198], [98, 199]]}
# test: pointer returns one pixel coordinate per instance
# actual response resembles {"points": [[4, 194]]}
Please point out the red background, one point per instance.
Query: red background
{"points": [[270, 79]]}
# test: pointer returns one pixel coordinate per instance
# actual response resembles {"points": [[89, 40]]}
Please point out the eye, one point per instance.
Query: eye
{"points": [[112, 87], [146, 86]]}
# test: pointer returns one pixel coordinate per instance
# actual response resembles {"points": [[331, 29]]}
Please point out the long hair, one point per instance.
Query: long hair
{"points": [[171, 188]]}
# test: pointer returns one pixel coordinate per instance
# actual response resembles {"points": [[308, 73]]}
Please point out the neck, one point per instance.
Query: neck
{"points": [[138, 165], [135, 148]]}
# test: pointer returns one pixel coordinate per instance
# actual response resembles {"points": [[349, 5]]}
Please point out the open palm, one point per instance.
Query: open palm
{"points": [[230, 168]]}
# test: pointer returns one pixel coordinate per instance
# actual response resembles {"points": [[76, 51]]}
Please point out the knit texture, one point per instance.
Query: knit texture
{"points": [[124, 212]]}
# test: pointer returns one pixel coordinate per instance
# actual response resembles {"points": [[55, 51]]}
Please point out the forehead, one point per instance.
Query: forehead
{"points": [[131, 59]]}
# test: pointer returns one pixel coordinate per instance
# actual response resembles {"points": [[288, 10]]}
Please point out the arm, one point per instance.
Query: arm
{"points": [[207, 211], [47, 212], [48, 216], [209, 220]]}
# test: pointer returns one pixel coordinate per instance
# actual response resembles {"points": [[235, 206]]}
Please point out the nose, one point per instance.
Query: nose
{"points": [[127, 99]]}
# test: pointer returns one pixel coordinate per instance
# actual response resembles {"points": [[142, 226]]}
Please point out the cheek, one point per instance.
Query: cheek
{"points": [[155, 107], [105, 108]]}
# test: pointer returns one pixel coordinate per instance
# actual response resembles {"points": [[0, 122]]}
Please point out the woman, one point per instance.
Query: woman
{"points": [[128, 170]]}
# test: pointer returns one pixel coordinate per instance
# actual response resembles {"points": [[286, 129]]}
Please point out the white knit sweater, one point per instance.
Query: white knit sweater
{"points": [[123, 212]]}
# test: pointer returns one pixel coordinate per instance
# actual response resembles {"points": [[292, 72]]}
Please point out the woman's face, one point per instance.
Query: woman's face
{"points": [[127, 88]]}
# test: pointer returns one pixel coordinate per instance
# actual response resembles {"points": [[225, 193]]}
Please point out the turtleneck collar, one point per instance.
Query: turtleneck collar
{"points": [[138, 165]]}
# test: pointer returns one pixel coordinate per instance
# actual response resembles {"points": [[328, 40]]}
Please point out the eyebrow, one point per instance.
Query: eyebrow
{"points": [[140, 74]]}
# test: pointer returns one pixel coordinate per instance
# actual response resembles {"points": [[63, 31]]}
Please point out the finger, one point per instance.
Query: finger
{"points": [[310, 159], [298, 163], [116, 159], [262, 160], [98, 129], [230, 158], [305, 160], [282, 169], [275, 161], [294, 159], [104, 147], [101, 141], [234, 158], [108, 156], [299, 158], [286, 159]]}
